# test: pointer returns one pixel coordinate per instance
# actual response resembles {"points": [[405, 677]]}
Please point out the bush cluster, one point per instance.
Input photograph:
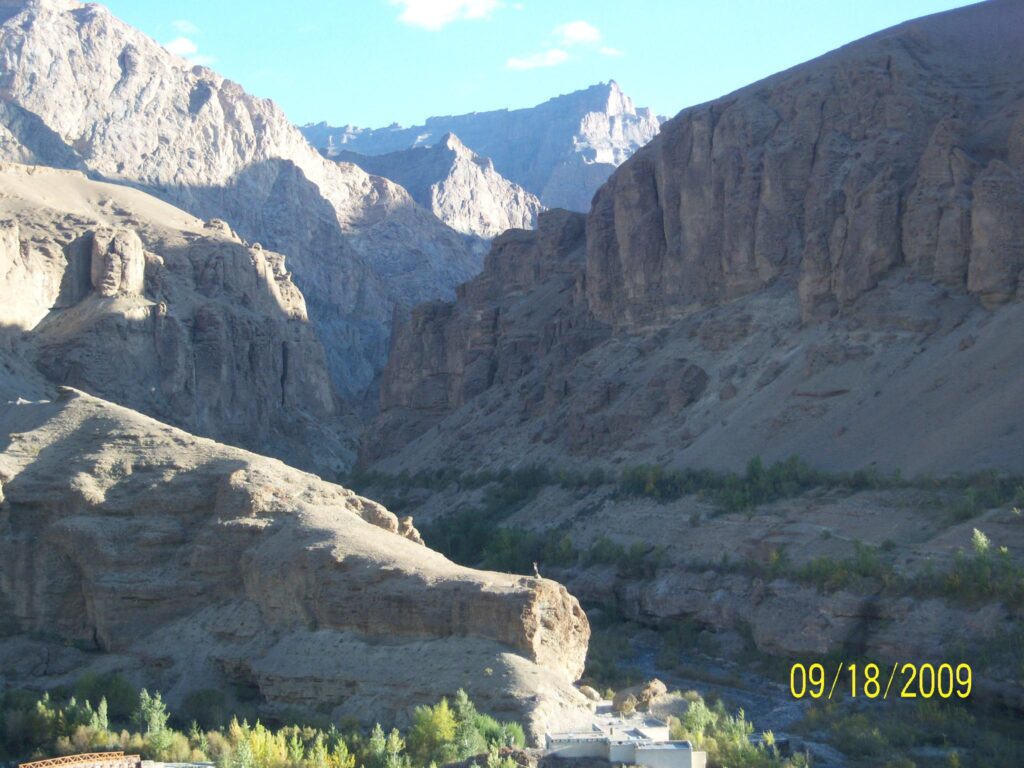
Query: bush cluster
{"points": [[727, 738], [831, 574], [58, 723], [895, 733], [978, 576]]}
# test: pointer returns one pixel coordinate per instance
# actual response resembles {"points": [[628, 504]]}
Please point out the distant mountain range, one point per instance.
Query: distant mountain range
{"points": [[457, 185], [561, 150]]}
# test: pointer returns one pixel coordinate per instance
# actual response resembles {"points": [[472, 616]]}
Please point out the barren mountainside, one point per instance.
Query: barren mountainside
{"points": [[561, 150], [113, 291], [461, 188], [82, 89], [791, 269], [244, 574]]}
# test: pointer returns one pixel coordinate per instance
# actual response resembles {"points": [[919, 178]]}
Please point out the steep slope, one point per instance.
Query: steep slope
{"points": [[244, 574], [126, 109], [792, 269], [904, 148], [461, 188], [121, 294], [561, 150]]}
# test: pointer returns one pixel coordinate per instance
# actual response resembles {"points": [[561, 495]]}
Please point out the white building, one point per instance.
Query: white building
{"points": [[634, 741]]}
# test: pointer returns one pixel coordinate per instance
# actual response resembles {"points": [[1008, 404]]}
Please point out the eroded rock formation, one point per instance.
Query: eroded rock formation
{"points": [[506, 323], [83, 89], [461, 188], [790, 269], [136, 301], [192, 565], [892, 150]]}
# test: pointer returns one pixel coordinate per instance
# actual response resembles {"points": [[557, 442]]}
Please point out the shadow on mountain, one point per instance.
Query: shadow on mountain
{"points": [[39, 145], [347, 305]]}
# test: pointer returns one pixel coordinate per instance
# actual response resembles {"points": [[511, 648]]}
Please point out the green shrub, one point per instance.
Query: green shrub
{"points": [[727, 738]]}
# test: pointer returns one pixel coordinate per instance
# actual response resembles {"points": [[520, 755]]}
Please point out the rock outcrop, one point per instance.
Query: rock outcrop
{"points": [[461, 188], [117, 265], [507, 322], [82, 89], [192, 565], [561, 150], [787, 270], [129, 298], [896, 149]]}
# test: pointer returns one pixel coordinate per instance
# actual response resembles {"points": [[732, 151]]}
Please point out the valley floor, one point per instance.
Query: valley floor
{"points": [[719, 582]]}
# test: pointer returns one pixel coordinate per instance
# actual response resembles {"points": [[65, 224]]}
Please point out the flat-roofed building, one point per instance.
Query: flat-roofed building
{"points": [[638, 740]]}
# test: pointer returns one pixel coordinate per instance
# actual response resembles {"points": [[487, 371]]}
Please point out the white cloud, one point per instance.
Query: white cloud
{"points": [[607, 51], [185, 26], [436, 14], [189, 51], [550, 58], [576, 32], [182, 46]]}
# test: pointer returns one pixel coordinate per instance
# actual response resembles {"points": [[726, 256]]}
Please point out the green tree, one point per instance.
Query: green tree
{"points": [[432, 736], [151, 718]]}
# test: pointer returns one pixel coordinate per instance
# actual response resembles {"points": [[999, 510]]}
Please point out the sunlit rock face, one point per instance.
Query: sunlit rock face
{"points": [[241, 572], [828, 255], [134, 300], [461, 188], [81, 89], [561, 150]]}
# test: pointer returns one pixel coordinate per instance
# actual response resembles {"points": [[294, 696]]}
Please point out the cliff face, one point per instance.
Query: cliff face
{"points": [[244, 572], [898, 149], [561, 150], [82, 89], [461, 188], [134, 300], [517, 316], [787, 270]]}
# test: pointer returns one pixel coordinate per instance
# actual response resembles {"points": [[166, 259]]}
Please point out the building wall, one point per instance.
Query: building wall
{"points": [[588, 748], [670, 757], [622, 753]]}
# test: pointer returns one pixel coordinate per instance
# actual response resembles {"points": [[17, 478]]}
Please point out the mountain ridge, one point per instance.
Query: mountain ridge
{"points": [[560, 150], [763, 278], [133, 112], [459, 186]]}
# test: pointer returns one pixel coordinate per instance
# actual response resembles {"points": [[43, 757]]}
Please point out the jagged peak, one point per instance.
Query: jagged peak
{"points": [[10, 8], [452, 142]]}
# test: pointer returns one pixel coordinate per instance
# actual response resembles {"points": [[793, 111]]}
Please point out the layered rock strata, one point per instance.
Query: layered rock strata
{"points": [[80, 88], [127, 297], [192, 565]]}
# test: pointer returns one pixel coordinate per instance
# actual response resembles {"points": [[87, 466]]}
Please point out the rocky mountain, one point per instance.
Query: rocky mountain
{"points": [[561, 150], [461, 188], [82, 89], [130, 545], [822, 258], [123, 295], [127, 545]]}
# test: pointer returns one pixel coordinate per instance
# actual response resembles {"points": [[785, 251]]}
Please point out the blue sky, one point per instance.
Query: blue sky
{"points": [[373, 62]]}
